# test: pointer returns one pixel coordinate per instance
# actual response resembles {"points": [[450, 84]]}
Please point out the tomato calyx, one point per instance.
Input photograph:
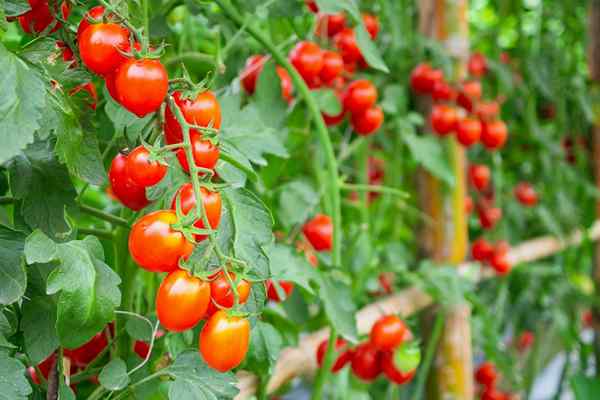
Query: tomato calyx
{"points": [[186, 222]]}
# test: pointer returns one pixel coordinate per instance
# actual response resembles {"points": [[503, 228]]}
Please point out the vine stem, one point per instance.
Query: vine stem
{"points": [[113, 219], [436, 333], [332, 165], [155, 375], [373, 188]]}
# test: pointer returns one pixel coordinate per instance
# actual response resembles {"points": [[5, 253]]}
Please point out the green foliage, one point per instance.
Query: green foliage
{"points": [[13, 384]]}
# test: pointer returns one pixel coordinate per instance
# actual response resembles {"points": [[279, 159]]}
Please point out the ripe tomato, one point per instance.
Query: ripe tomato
{"points": [[312, 6], [341, 348], [499, 259], [99, 47], [222, 295], [333, 120], [86, 353], [330, 24], [286, 83], [391, 372], [307, 58], [388, 332], [487, 110], [366, 362], [525, 340], [88, 88], [423, 78], [141, 170], [251, 70], [67, 54], [489, 216], [224, 341], [272, 294], [40, 16], [319, 232], [205, 153], [477, 65], [359, 96], [368, 121], [131, 195], [142, 348], [443, 119], [481, 250], [468, 131], [371, 24], [526, 194], [468, 204], [141, 85], [182, 300], [202, 111], [479, 175], [345, 42], [333, 66], [442, 91], [109, 81], [470, 92], [154, 245], [94, 14], [211, 202], [494, 134], [486, 374]]}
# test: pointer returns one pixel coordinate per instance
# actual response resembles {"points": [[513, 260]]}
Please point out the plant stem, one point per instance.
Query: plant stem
{"points": [[351, 187], [7, 200], [113, 219], [328, 361], [436, 333], [101, 233], [190, 55]]}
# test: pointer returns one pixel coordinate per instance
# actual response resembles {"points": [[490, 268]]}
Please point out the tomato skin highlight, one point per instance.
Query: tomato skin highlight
{"points": [[141, 85], [99, 47], [182, 301], [125, 190], [154, 245], [224, 341], [366, 362], [319, 232], [211, 202], [221, 294], [388, 332], [141, 170], [288, 288], [307, 58], [468, 131], [343, 358], [443, 119], [359, 96], [391, 372], [202, 111]]}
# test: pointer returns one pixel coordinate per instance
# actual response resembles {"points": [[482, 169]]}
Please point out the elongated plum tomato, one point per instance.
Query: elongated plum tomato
{"points": [[479, 175], [99, 47], [371, 24], [319, 232], [330, 24], [307, 58], [367, 121], [141, 170], [203, 111], [132, 196], [182, 300], [481, 250], [388, 332], [221, 294], [468, 131], [94, 14], [224, 341], [359, 96], [154, 245], [345, 42], [486, 374], [211, 202], [205, 153], [341, 349], [526, 194], [443, 119], [333, 66], [391, 372], [39, 17], [494, 134], [366, 362], [273, 294], [141, 85]]}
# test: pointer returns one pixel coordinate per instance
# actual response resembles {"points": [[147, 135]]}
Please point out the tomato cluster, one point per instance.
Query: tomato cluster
{"points": [[487, 377]]}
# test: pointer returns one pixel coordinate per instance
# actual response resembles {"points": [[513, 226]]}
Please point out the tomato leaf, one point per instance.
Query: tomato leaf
{"points": [[268, 99], [265, 345], [12, 8], [13, 384], [13, 277], [584, 387], [64, 391], [340, 310], [39, 248], [297, 200], [288, 265], [114, 375], [194, 380], [428, 151], [327, 100], [138, 329], [39, 328], [256, 302], [443, 283]]}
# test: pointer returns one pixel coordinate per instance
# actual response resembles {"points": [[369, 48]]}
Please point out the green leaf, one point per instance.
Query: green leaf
{"points": [[428, 151], [13, 384], [327, 100], [297, 200], [13, 276], [265, 345], [269, 102], [114, 375], [22, 98], [39, 248], [39, 331], [12, 8], [194, 380], [407, 356], [443, 283], [123, 120], [138, 329], [64, 391], [288, 265], [340, 310], [584, 387], [45, 187]]}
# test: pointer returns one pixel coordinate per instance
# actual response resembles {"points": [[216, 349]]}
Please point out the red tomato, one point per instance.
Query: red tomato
{"points": [[182, 300], [481, 250], [371, 24], [40, 16], [359, 96], [388, 332], [307, 58], [468, 131], [486, 374], [489, 216], [333, 120], [419, 81], [333, 66], [366, 362], [86, 353], [477, 65], [211, 202], [141, 85], [142, 348], [272, 294], [526, 194], [330, 24], [94, 14], [154, 245], [67, 54], [312, 5], [45, 367], [224, 341], [286, 83], [341, 349], [470, 92], [345, 42], [222, 295], [393, 373], [479, 175], [131, 195], [499, 259], [90, 89], [443, 119], [468, 204], [319, 232], [494, 134], [491, 393], [525, 340], [251, 71], [206, 154], [141, 170], [442, 91], [367, 122], [487, 110], [109, 81], [202, 111], [99, 47]]}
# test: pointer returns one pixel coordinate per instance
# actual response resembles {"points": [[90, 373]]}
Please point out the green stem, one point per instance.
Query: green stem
{"points": [[7, 200], [101, 233], [191, 56], [113, 219], [328, 361], [438, 327], [353, 187]]}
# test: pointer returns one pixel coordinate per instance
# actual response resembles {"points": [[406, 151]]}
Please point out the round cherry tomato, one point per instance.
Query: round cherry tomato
{"points": [[99, 47], [525, 340], [206, 154], [312, 6], [154, 245], [202, 111], [359, 96], [371, 25], [211, 202], [252, 69], [307, 58], [391, 372], [341, 348], [489, 216], [86, 353], [331, 24], [487, 110], [366, 362], [94, 14], [319, 232], [182, 300], [499, 259], [345, 42], [481, 250], [141, 85], [224, 341], [443, 119], [486, 374], [368, 121], [388, 332], [286, 83], [272, 294], [333, 120], [222, 295], [526, 194], [333, 66], [131, 195], [141, 170], [477, 65], [40, 16], [479, 175], [423, 78], [470, 92], [494, 134], [442, 91], [468, 131]]}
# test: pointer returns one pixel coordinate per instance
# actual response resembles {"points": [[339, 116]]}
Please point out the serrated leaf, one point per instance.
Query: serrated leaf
{"points": [[428, 151], [288, 265], [123, 120], [13, 277], [265, 345], [114, 375], [327, 101], [38, 325], [13, 384], [340, 310], [297, 199]]}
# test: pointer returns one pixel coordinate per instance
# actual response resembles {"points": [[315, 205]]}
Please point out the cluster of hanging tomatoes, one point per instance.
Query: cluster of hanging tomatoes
{"points": [[487, 377]]}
